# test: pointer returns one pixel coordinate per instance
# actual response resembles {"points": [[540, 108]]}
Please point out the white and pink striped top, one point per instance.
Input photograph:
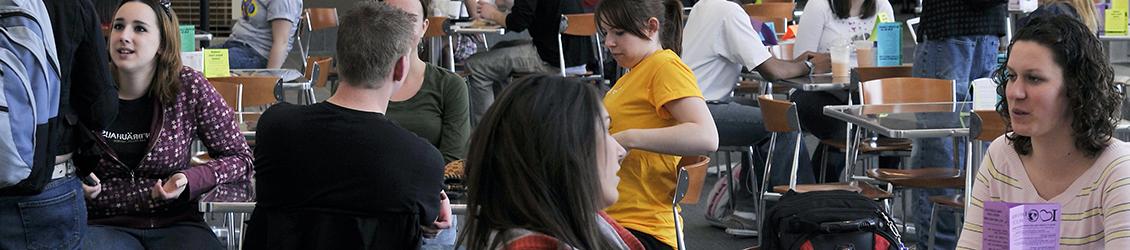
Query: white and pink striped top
{"points": [[1092, 207]]}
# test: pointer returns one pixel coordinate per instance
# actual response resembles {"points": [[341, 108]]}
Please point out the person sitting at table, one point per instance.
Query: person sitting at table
{"points": [[657, 112], [825, 23], [1061, 106], [432, 103], [339, 174], [261, 38], [1084, 10], [572, 155], [542, 18], [148, 193], [718, 40]]}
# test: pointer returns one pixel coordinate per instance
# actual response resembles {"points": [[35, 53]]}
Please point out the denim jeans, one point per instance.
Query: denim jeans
{"points": [[491, 69], [740, 125], [182, 235], [445, 239], [242, 56], [961, 59], [53, 219]]}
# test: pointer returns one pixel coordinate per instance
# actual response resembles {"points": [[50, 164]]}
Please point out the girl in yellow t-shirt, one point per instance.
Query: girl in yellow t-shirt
{"points": [[657, 112]]}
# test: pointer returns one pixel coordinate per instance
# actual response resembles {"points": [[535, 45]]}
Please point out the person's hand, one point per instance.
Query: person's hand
{"points": [[821, 62], [91, 192], [171, 188], [443, 221], [489, 11]]}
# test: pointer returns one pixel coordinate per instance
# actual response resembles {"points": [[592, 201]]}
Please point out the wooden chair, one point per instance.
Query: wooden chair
{"points": [[437, 29], [314, 77], [781, 117], [250, 91], [583, 24], [881, 145], [778, 13], [688, 183], [312, 20], [906, 90]]}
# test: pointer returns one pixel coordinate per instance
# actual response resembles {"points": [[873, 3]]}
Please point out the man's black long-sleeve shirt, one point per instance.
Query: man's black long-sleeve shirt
{"points": [[543, 19]]}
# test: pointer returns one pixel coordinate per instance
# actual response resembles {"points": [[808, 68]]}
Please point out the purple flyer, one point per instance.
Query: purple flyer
{"points": [[1021, 225]]}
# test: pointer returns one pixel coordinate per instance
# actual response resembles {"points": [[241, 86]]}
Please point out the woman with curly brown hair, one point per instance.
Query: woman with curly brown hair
{"points": [[1061, 106]]}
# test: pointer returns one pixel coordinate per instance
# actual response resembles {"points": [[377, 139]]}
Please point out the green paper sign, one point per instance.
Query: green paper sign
{"points": [[187, 38]]}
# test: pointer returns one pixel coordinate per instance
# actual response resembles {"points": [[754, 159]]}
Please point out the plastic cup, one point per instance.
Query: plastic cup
{"points": [[865, 53], [841, 61]]}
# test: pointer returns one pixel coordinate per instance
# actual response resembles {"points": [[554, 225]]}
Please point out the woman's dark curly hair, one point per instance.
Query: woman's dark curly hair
{"points": [[1088, 80]]}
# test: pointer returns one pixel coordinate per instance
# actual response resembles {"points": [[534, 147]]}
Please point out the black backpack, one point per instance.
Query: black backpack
{"points": [[829, 220]]}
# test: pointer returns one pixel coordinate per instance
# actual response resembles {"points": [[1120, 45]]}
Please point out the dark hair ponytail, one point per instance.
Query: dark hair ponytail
{"points": [[671, 34], [632, 16]]}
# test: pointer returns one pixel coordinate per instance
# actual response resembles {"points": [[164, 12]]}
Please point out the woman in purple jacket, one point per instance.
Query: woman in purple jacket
{"points": [[148, 194]]}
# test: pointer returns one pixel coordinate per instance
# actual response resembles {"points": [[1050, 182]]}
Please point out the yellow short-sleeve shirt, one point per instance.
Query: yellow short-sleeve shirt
{"points": [[647, 179]]}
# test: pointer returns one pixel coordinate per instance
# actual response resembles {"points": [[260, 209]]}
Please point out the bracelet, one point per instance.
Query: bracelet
{"points": [[808, 64]]}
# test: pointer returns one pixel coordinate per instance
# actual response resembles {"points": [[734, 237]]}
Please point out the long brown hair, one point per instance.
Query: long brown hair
{"points": [[532, 165], [166, 77], [632, 16]]}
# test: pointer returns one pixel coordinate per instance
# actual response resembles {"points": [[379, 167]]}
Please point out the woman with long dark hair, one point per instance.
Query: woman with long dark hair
{"points": [[657, 110], [541, 167]]}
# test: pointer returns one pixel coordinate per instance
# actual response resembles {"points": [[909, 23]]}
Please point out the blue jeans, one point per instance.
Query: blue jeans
{"points": [[182, 235], [445, 239], [961, 59], [242, 56], [53, 219], [740, 125]]}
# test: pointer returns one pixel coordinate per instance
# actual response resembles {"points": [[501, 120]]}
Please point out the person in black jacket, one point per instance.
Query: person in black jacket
{"points": [[87, 98], [543, 19]]}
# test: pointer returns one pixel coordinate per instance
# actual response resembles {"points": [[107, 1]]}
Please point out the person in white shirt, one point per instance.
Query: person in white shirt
{"points": [[717, 41], [826, 21], [823, 24]]}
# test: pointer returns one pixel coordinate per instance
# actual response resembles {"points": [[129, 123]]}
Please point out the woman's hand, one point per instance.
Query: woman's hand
{"points": [[171, 189], [91, 192]]}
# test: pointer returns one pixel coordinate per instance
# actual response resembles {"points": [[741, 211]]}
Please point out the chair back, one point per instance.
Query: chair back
{"points": [[692, 172], [257, 90], [863, 74], [987, 125], [320, 18], [436, 27], [582, 24], [906, 90], [230, 92], [318, 71], [778, 13], [780, 116]]}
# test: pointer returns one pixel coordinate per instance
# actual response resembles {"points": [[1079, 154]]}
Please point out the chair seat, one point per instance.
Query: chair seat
{"points": [[953, 201], [883, 144], [920, 178], [867, 190]]}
